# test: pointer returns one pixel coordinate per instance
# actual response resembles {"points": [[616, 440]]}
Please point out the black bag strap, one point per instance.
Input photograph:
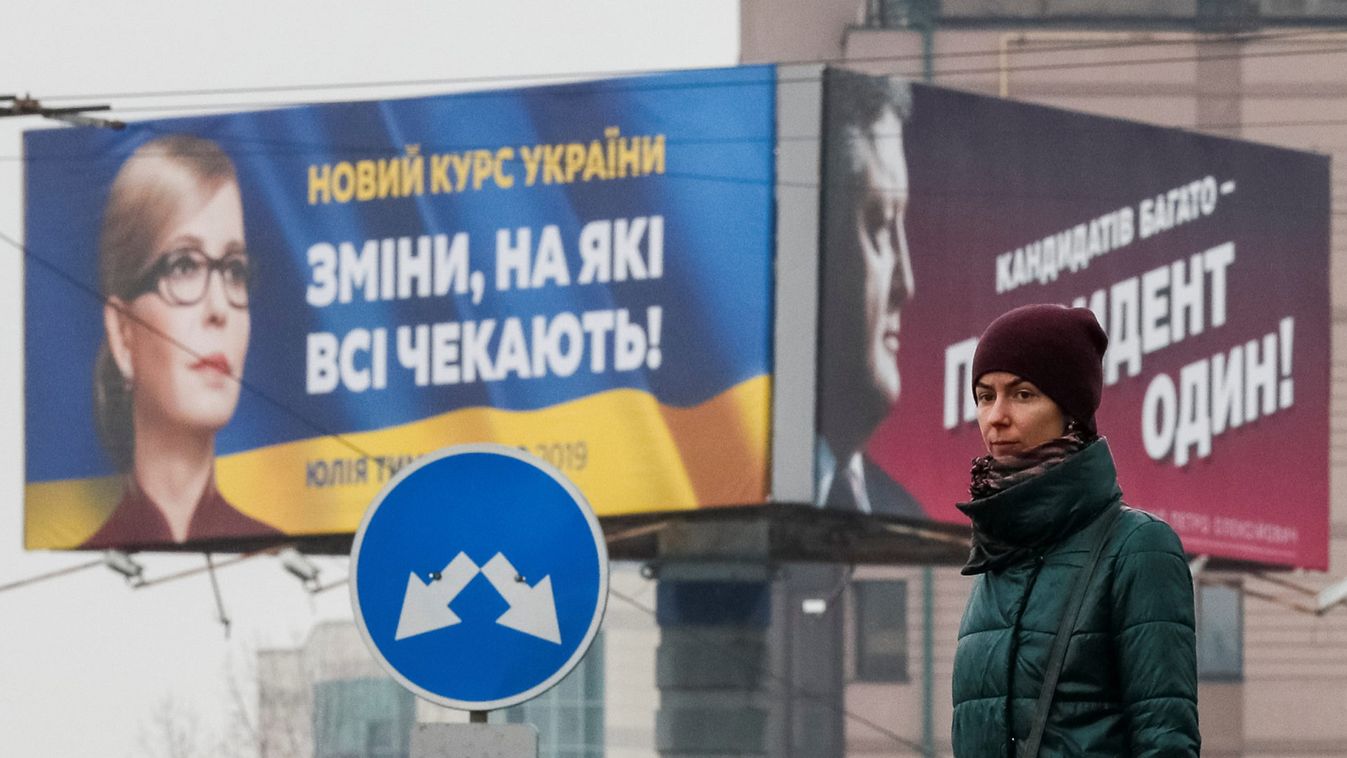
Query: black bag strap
{"points": [[1104, 527]]}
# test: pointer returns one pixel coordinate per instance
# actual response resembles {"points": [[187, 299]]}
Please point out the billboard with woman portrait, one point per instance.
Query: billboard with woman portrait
{"points": [[238, 327]]}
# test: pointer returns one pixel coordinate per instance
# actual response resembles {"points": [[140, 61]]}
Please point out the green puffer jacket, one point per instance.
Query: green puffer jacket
{"points": [[1128, 686]]}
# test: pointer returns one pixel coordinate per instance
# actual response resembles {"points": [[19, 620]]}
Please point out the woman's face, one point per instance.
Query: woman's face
{"points": [[185, 360], [1014, 415]]}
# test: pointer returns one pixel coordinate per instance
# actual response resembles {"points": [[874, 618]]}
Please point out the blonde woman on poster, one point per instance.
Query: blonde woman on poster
{"points": [[174, 274]]}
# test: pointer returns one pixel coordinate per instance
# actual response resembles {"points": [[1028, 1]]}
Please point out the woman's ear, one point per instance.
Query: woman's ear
{"points": [[117, 325]]}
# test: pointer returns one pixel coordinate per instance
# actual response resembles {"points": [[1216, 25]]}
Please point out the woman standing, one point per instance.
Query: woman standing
{"points": [[174, 271], [1044, 496]]}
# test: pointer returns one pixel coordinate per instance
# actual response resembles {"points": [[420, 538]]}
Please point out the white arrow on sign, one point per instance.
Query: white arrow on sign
{"points": [[425, 607], [533, 610]]}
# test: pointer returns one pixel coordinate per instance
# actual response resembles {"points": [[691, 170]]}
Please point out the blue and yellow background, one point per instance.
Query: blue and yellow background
{"points": [[691, 432]]}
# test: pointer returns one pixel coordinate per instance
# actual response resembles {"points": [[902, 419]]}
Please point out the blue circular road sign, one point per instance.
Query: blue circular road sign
{"points": [[479, 576]]}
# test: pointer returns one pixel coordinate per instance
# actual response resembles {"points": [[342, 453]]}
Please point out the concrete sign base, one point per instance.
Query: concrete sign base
{"points": [[474, 741]]}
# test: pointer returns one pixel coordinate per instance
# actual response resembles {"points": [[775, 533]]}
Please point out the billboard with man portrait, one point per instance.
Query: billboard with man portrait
{"points": [[1205, 260], [238, 327]]}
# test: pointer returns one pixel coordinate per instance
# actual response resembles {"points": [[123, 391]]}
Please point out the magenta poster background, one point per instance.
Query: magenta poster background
{"points": [[992, 181]]}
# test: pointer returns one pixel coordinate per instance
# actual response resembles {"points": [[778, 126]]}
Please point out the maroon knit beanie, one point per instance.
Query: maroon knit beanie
{"points": [[1059, 349]]}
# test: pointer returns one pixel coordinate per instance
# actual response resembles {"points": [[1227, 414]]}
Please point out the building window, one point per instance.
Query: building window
{"points": [[1220, 633], [362, 718], [569, 717], [902, 14], [382, 739], [881, 631]]}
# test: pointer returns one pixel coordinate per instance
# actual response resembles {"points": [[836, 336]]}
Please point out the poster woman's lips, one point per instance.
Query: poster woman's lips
{"points": [[213, 362]]}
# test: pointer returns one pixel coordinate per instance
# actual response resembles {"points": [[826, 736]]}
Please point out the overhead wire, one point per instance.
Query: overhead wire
{"points": [[285, 148], [296, 148], [384, 150], [536, 77], [614, 85], [252, 388], [706, 639], [628, 86], [709, 641], [54, 574]]}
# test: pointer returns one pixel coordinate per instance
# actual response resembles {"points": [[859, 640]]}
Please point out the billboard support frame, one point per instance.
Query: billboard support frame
{"points": [[795, 345]]}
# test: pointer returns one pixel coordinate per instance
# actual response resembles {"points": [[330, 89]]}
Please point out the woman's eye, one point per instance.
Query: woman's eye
{"points": [[236, 271], [182, 266]]}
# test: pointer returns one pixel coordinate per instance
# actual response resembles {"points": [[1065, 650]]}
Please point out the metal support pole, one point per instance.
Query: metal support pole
{"points": [[928, 662], [928, 51]]}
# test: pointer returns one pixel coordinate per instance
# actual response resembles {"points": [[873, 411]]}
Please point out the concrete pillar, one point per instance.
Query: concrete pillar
{"points": [[750, 655], [712, 667], [713, 607]]}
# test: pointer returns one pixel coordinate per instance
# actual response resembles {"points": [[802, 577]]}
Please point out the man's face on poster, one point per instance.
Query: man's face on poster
{"points": [[871, 274]]}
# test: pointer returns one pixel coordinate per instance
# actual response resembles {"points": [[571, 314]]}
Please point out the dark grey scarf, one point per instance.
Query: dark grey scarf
{"points": [[990, 477]]}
